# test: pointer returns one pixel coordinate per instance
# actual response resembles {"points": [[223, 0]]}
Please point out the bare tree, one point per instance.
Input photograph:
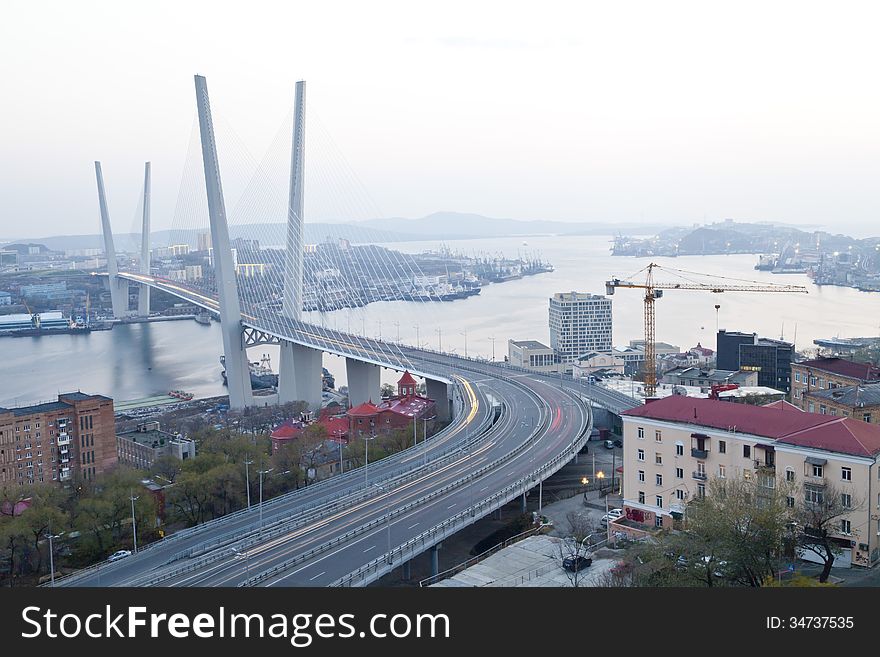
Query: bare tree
{"points": [[577, 545], [822, 526]]}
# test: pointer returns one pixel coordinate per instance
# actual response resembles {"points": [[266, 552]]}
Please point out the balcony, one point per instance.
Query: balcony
{"points": [[763, 465], [699, 453], [702, 476], [65, 474], [64, 458], [63, 439]]}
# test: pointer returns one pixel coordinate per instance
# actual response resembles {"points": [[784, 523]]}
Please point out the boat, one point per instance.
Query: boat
{"points": [[766, 263], [261, 373], [181, 394], [203, 318]]}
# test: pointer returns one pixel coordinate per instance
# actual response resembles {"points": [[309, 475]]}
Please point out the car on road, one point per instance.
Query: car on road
{"points": [[609, 444], [574, 564], [119, 554], [613, 514]]}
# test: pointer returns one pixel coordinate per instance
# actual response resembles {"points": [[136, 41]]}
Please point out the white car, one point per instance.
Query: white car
{"points": [[613, 514], [119, 554]]}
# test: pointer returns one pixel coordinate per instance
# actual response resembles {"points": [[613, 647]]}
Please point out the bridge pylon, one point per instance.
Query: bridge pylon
{"points": [[144, 290], [118, 286], [299, 373], [237, 370]]}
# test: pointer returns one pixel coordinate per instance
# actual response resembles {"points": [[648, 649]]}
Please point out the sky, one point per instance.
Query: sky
{"points": [[667, 112]]}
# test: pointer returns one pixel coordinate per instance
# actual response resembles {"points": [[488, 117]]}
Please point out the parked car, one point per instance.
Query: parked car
{"points": [[613, 514], [119, 554], [574, 564], [618, 442], [609, 444]]}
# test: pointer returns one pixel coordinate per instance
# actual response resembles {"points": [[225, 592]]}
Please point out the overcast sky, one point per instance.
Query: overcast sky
{"points": [[673, 112]]}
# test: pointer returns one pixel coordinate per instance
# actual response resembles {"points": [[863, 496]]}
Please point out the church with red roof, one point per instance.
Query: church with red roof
{"points": [[387, 415]]}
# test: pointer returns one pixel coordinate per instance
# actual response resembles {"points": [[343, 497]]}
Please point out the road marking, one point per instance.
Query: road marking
{"points": [[369, 548], [311, 579], [483, 488], [451, 505], [411, 526]]}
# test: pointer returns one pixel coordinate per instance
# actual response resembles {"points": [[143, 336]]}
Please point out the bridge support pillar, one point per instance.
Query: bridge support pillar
{"points": [[496, 514], [144, 290], [299, 376], [525, 506], [118, 286], [238, 376], [435, 559], [439, 392], [407, 571], [364, 383]]}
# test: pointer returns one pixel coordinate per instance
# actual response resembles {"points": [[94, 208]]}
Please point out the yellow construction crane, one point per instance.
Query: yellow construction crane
{"points": [[654, 290]]}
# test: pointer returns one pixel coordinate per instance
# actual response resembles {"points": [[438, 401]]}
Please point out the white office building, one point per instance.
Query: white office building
{"points": [[580, 323]]}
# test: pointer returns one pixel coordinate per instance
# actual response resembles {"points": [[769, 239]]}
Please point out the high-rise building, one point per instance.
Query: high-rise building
{"points": [[204, 241], [579, 323], [771, 359], [69, 439]]}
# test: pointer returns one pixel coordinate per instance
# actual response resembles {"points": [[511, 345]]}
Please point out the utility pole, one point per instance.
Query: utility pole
{"points": [[493, 348], [50, 536], [262, 472], [440, 339], [388, 524], [465, 343], [132, 497], [418, 344], [397, 326]]}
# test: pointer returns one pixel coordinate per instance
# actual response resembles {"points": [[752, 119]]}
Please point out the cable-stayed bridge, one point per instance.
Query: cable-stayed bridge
{"points": [[509, 429]]}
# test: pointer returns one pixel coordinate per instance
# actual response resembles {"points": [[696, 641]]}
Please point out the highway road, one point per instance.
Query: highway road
{"points": [[346, 531]]}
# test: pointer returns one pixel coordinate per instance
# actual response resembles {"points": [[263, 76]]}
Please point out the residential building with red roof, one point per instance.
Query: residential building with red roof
{"points": [[398, 412], [673, 446], [336, 426], [827, 374]]}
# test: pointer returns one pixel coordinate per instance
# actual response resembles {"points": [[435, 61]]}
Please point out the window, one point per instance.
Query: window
{"points": [[812, 407], [679, 449], [658, 479], [641, 432], [722, 447], [701, 491], [658, 437], [641, 497], [722, 471], [679, 494], [822, 409], [789, 474], [679, 473], [818, 471], [846, 500], [789, 502], [658, 458], [845, 527], [658, 521], [813, 495], [797, 377], [701, 468], [866, 417], [846, 474], [658, 500], [747, 475], [812, 380], [641, 475], [747, 451], [641, 455]]}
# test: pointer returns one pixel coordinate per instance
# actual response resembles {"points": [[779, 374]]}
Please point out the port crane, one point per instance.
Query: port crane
{"points": [[654, 290]]}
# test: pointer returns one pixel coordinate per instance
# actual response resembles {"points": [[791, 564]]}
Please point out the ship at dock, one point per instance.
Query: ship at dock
{"points": [[262, 376]]}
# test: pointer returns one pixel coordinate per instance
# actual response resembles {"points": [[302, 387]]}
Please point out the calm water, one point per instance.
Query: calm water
{"points": [[145, 359]]}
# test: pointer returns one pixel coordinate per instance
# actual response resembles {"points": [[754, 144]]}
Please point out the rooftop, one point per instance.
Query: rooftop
{"points": [[150, 437], [34, 409], [843, 367], [824, 432], [856, 396], [529, 344]]}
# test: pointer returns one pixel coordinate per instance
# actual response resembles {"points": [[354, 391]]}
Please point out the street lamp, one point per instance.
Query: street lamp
{"points": [[388, 524], [493, 348], [425, 421], [464, 333], [397, 325], [439, 339], [247, 481], [262, 472], [132, 497], [418, 344], [367, 455], [50, 536]]}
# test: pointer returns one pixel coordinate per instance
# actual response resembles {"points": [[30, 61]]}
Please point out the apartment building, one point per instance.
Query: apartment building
{"points": [[675, 445], [142, 446], [69, 439], [861, 402], [579, 323], [827, 374], [531, 355]]}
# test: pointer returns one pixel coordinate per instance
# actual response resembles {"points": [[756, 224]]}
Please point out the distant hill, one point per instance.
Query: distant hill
{"points": [[459, 225], [437, 226]]}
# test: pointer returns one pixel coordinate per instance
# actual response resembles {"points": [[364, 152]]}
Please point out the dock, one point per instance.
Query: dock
{"points": [[145, 402]]}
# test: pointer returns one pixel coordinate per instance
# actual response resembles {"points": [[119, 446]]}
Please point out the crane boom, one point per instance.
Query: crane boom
{"points": [[654, 290]]}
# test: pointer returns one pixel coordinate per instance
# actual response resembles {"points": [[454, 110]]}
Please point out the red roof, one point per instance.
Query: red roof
{"points": [[783, 405], [413, 405], [843, 367], [836, 434], [337, 427], [287, 430], [366, 409], [407, 379]]}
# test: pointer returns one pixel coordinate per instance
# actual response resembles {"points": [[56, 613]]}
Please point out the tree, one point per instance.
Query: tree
{"points": [[167, 467], [817, 519], [387, 390], [576, 544]]}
